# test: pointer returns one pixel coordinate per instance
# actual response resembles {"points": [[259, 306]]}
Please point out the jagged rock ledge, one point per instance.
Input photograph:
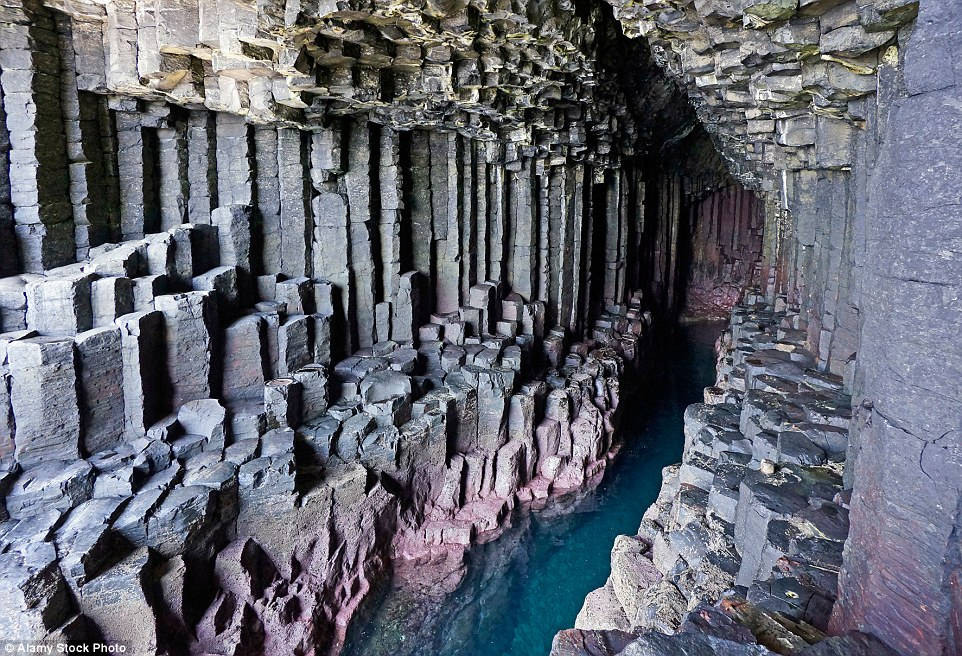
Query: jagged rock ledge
{"points": [[255, 518], [741, 551]]}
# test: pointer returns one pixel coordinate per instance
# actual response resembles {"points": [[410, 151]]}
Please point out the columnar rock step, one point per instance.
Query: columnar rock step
{"points": [[741, 551], [163, 410]]}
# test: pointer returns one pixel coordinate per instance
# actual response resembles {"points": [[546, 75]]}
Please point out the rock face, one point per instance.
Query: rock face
{"points": [[130, 473], [314, 306], [740, 553], [302, 287], [843, 112]]}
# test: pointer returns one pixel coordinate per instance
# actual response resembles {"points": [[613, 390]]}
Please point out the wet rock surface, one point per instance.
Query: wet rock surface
{"points": [[741, 552], [508, 596], [255, 523], [301, 286]]}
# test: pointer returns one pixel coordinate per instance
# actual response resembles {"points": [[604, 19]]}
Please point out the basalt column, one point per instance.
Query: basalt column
{"points": [[702, 229], [372, 274], [838, 118], [293, 294], [36, 148]]}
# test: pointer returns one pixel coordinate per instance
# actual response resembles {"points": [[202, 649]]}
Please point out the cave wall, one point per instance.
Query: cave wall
{"points": [[843, 116], [357, 204], [907, 479], [527, 144], [293, 291], [725, 230], [783, 91], [702, 230], [418, 161], [219, 87]]}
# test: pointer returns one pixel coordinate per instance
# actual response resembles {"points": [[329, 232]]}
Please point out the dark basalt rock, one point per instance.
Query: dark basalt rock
{"points": [[574, 642], [850, 644], [711, 621], [760, 523], [689, 644], [345, 282]]}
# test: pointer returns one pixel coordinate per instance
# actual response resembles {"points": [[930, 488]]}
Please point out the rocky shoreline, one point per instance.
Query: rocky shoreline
{"points": [[255, 518], [741, 551]]}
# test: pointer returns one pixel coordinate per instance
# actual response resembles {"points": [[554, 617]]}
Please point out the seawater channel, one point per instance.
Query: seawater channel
{"points": [[529, 583]]}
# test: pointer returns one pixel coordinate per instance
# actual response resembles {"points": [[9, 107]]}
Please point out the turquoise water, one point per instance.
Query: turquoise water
{"points": [[522, 588]]}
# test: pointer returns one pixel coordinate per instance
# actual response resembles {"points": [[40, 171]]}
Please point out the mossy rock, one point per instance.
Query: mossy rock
{"points": [[772, 10]]}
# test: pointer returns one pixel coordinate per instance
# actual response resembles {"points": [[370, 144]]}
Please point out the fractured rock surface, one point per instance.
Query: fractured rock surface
{"points": [[169, 402]]}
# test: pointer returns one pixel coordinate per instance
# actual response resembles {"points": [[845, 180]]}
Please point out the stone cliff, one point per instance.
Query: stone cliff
{"points": [[293, 299]]}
